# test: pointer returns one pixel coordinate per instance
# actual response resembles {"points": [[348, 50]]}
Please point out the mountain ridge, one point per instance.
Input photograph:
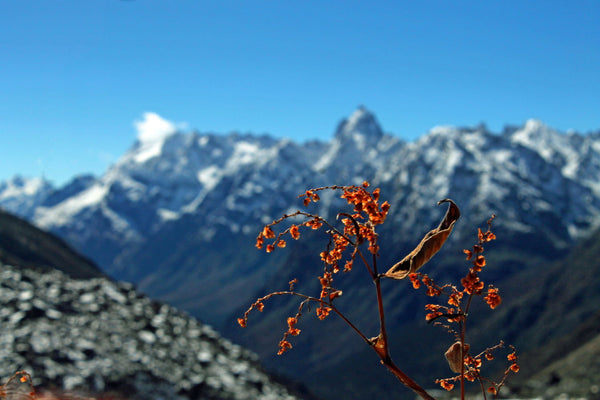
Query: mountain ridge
{"points": [[182, 224]]}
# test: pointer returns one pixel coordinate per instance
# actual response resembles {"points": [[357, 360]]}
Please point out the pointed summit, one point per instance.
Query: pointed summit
{"points": [[362, 126]]}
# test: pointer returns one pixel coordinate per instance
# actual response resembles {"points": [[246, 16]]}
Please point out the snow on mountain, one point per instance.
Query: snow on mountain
{"points": [[359, 147], [552, 146], [191, 188], [152, 132], [177, 214], [168, 174], [23, 195]]}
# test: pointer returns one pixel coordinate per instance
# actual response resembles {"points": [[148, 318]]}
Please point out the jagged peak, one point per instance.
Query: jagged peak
{"points": [[361, 124], [532, 132], [534, 124], [24, 186]]}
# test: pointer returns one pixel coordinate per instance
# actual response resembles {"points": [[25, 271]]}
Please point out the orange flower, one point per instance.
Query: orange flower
{"points": [[479, 262], [480, 235], [454, 299], [314, 223], [284, 346], [432, 291], [469, 253], [432, 315], [492, 297], [335, 294], [512, 356], [385, 207], [268, 232], [348, 266], [446, 384], [295, 232], [270, 248], [376, 194], [514, 368], [414, 280], [260, 240], [492, 390], [485, 236], [242, 322], [471, 283], [323, 312], [291, 324]]}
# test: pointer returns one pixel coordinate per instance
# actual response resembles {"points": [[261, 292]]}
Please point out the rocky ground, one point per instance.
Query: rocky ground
{"points": [[96, 336]]}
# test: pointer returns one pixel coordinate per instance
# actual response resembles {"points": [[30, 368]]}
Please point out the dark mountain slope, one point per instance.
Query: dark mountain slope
{"points": [[25, 245], [553, 316]]}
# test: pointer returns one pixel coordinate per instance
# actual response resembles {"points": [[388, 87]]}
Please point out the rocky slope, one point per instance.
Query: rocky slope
{"points": [[77, 331], [97, 336]]}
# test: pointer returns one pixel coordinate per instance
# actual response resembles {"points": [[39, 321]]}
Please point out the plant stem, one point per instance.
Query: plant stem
{"points": [[382, 330], [405, 379]]}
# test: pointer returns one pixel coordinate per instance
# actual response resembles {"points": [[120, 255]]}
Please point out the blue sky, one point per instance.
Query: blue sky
{"points": [[77, 75]]}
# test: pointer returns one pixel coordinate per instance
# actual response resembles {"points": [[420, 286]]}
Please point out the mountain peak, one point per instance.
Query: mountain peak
{"points": [[360, 126], [533, 132], [153, 130]]}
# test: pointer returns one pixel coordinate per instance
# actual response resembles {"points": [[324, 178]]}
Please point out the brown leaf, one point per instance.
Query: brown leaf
{"points": [[430, 244], [455, 356]]}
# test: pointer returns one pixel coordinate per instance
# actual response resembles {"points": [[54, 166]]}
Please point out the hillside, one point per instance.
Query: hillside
{"points": [[79, 332], [25, 245]]}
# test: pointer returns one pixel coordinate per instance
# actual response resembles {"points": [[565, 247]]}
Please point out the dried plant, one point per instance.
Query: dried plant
{"points": [[353, 239], [18, 387]]}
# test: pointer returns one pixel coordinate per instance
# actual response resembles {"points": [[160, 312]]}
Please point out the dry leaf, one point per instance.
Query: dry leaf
{"points": [[430, 245], [454, 355]]}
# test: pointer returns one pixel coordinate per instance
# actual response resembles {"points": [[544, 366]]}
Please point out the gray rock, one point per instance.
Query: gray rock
{"points": [[93, 336]]}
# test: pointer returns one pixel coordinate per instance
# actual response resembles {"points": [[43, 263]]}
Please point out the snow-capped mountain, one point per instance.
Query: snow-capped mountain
{"points": [[22, 196], [192, 190], [178, 213]]}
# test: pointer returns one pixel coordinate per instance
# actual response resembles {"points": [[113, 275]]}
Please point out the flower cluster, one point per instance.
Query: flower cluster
{"points": [[353, 238], [257, 305], [471, 370], [358, 227], [472, 285], [284, 345], [456, 310]]}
